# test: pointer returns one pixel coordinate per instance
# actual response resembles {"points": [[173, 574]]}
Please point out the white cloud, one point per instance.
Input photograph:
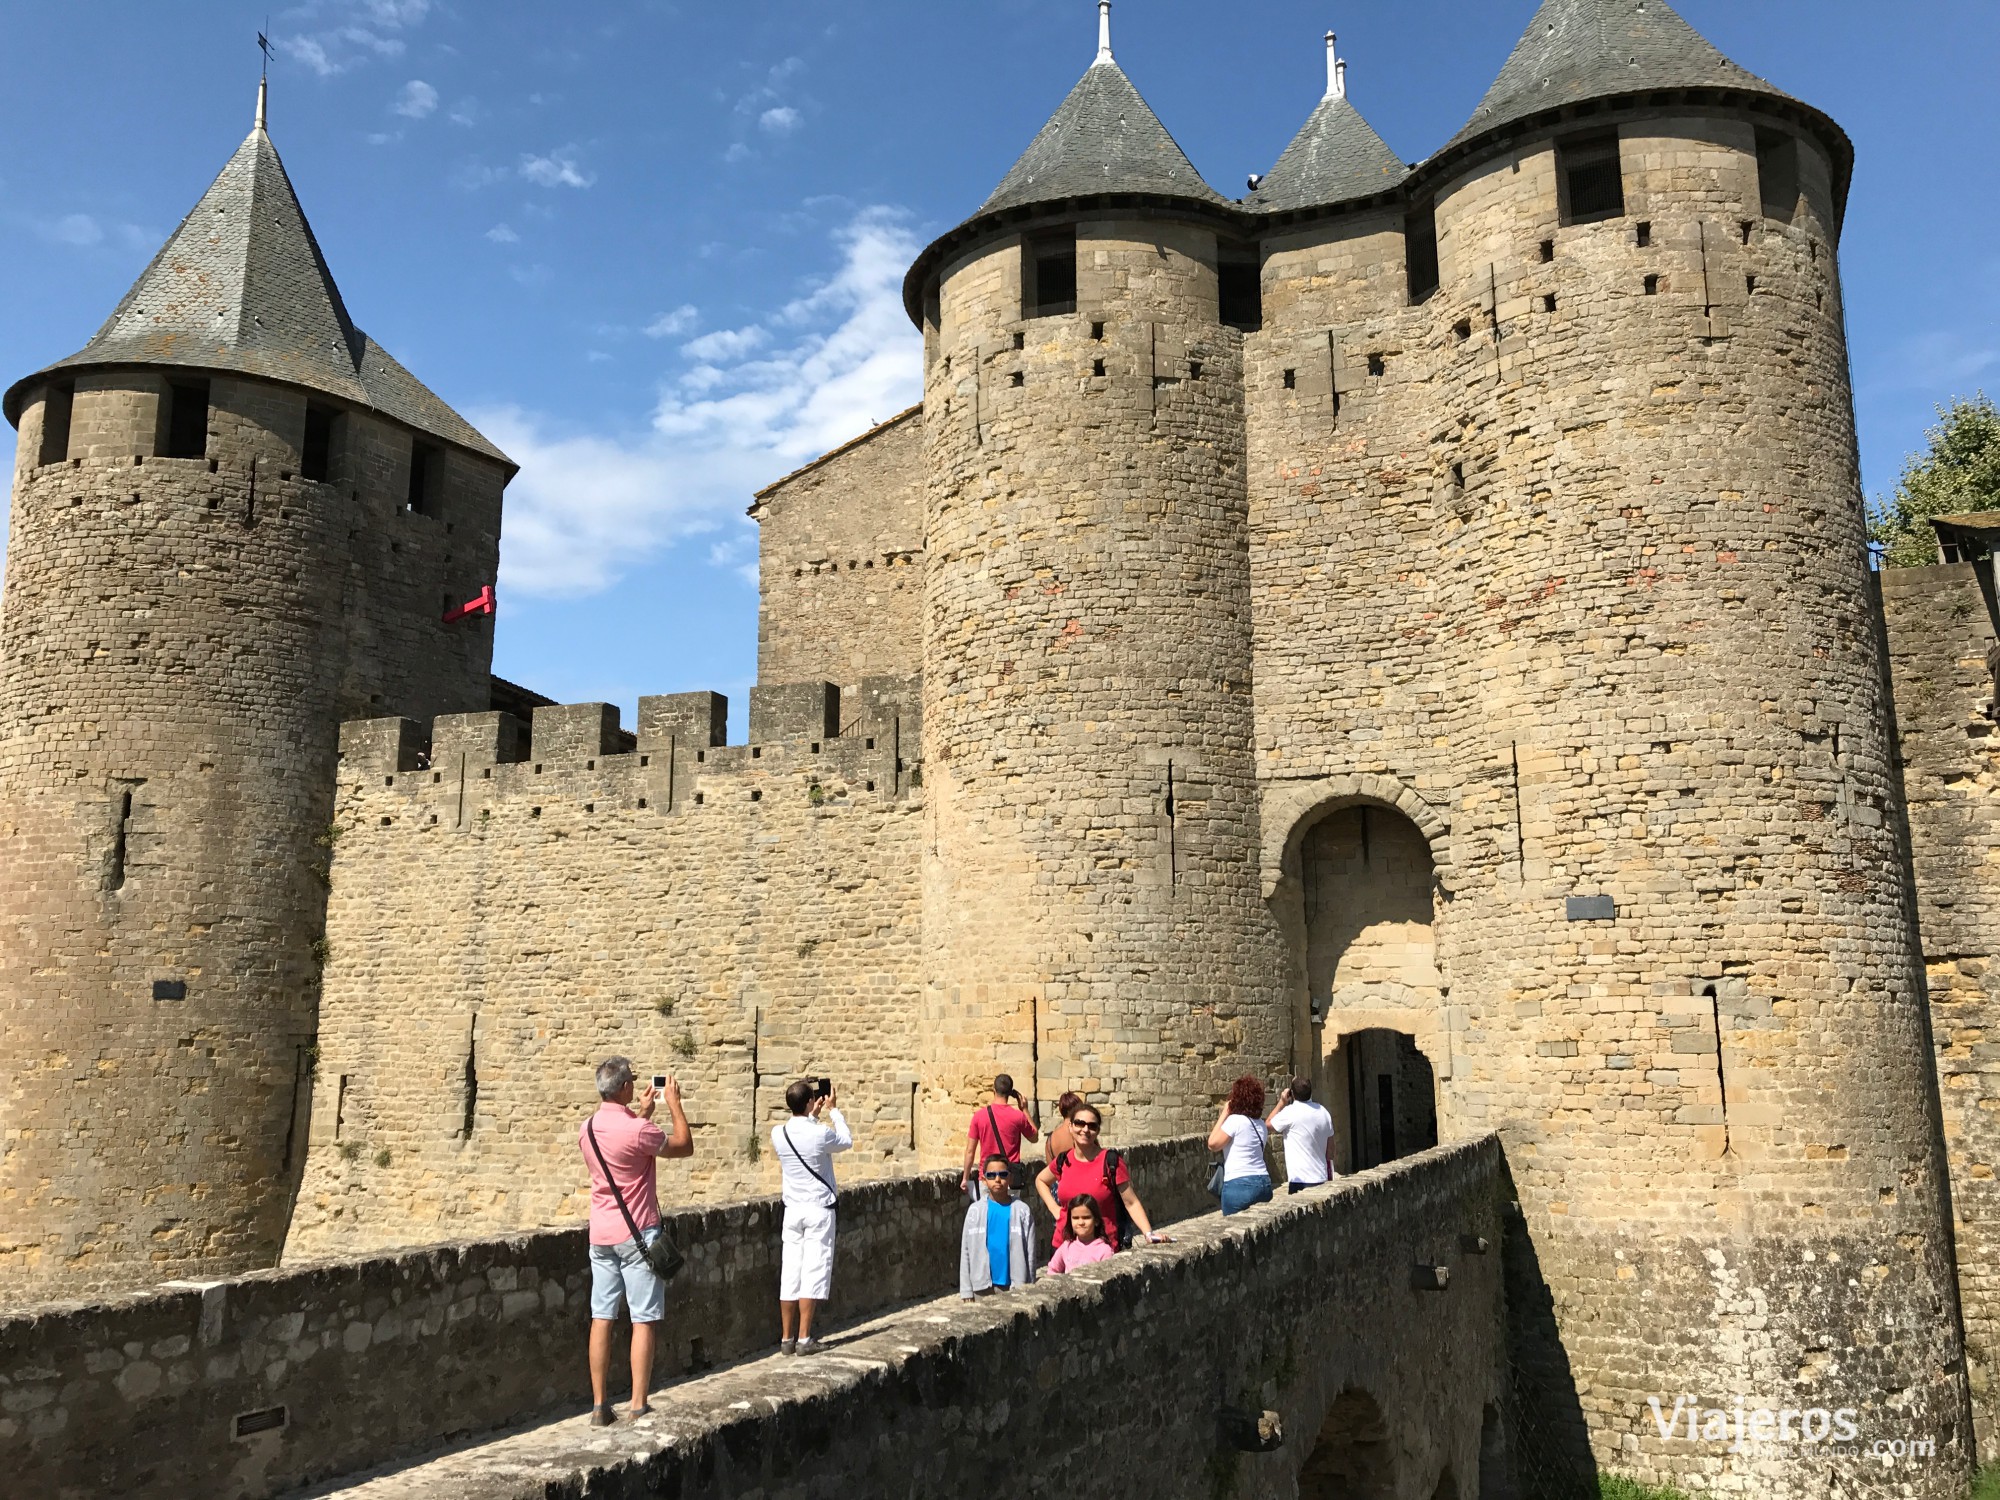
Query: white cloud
{"points": [[673, 324], [557, 169], [72, 229], [358, 31], [501, 234], [84, 231], [780, 121], [810, 375], [417, 99], [726, 344]]}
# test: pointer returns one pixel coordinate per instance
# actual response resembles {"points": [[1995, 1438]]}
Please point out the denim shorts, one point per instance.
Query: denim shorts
{"points": [[1238, 1193], [619, 1274]]}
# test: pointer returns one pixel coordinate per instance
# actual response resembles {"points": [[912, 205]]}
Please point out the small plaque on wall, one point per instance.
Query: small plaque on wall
{"points": [[1591, 909], [170, 989]]}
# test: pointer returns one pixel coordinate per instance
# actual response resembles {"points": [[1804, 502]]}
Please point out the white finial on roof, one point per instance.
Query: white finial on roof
{"points": [[263, 94], [1336, 71], [1340, 78], [1104, 31], [264, 77]]}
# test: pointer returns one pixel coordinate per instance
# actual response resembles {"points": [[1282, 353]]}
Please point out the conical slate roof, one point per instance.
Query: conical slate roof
{"points": [[241, 286], [1337, 156], [1592, 49], [1103, 139]]}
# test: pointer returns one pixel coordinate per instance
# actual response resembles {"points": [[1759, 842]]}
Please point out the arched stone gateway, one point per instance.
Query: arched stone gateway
{"points": [[1353, 1458]]}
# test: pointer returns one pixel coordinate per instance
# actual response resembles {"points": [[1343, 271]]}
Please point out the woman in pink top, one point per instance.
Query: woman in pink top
{"points": [[1086, 1242]]}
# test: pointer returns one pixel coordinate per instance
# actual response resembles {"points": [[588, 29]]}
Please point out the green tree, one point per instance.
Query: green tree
{"points": [[1958, 473]]}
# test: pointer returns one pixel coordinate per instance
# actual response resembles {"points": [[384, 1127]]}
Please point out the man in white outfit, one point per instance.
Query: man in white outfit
{"points": [[805, 1145], [1308, 1131]]}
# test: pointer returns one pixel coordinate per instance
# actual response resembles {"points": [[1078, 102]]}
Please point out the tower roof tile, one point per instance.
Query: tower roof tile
{"points": [[1103, 138], [1576, 50], [241, 286]]}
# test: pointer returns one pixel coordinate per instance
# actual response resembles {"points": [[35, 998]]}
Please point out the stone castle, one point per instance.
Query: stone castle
{"points": [[1409, 625]]}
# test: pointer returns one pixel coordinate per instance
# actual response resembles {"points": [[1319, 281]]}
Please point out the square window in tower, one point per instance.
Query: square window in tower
{"points": [[1778, 174], [1048, 274], [184, 421], [1420, 252], [1592, 178], [316, 456], [1239, 287]]}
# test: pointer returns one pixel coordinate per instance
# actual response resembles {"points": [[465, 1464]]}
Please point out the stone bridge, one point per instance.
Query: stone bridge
{"points": [[1350, 1341]]}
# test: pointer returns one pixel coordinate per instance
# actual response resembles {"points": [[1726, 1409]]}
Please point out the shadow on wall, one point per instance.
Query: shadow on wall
{"points": [[1353, 1459], [1547, 1437], [1384, 1098]]}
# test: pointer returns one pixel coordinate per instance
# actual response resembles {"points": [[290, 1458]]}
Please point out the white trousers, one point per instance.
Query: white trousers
{"points": [[806, 1267]]}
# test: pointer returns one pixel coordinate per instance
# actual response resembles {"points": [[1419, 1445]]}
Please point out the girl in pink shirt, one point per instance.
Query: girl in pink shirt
{"points": [[1086, 1242]]}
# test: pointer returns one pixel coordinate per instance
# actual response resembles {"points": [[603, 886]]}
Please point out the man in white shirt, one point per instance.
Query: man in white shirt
{"points": [[1308, 1131], [805, 1145]]}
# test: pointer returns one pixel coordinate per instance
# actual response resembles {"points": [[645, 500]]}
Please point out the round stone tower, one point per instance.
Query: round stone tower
{"points": [[1683, 925], [235, 522], [1093, 918]]}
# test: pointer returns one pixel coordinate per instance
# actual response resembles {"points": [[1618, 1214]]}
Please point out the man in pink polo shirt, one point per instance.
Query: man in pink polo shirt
{"points": [[623, 1137]]}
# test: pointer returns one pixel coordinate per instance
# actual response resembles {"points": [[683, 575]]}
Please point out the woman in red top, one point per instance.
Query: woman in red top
{"points": [[1082, 1171]]}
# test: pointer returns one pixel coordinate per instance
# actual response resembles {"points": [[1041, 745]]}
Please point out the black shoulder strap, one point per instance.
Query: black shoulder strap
{"points": [[998, 1144], [785, 1130], [590, 1129], [1111, 1160]]}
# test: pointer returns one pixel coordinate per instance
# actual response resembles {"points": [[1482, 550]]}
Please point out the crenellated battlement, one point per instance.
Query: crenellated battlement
{"points": [[473, 767]]}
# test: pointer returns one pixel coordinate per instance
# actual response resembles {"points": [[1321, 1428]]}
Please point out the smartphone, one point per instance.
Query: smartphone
{"points": [[659, 1083], [822, 1087]]}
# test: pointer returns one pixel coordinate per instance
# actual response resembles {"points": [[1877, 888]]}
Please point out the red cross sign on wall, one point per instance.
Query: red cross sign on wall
{"points": [[485, 604]]}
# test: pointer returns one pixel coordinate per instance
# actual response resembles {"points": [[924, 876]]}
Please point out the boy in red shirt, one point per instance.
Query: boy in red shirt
{"points": [[997, 1129]]}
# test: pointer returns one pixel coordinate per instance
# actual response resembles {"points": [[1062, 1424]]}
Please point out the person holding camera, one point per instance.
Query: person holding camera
{"points": [[621, 1147], [805, 1145], [1308, 1131], [998, 1127]]}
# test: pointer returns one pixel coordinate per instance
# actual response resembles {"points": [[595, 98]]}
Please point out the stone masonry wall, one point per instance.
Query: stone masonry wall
{"points": [[358, 1360], [840, 562], [738, 916], [180, 638], [1940, 644], [1092, 913], [1575, 581]]}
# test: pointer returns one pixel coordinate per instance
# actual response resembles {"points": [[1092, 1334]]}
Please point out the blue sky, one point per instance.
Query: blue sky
{"points": [[655, 249]]}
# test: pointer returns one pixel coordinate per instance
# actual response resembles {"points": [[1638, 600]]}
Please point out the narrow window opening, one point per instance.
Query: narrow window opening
{"points": [[756, 796], [642, 802], [698, 798], [1291, 380], [1017, 379], [1744, 229], [300, 1074], [1377, 365], [1721, 1079], [426, 476], [1097, 367], [1239, 287], [1020, 341], [1778, 174], [1173, 832], [1549, 302], [316, 457], [1462, 329], [118, 849], [871, 786], [340, 1104], [1592, 178], [913, 1117], [1643, 233], [1458, 481], [1048, 274], [756, 752], [186, 424], [1420, 252], [58, 403], [1548, 251], [1750, 285], [1097, 332], [1652, 286], [1194, 369], [868, 744], [471, 1081]]}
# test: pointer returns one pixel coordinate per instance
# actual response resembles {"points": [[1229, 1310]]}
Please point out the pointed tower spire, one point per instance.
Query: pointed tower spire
{"points": [[1104, 32], [1574, 50], [1337, 156]]}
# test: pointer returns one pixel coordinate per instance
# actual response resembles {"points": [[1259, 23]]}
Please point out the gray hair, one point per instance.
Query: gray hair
{"points": [[614, 1075]]}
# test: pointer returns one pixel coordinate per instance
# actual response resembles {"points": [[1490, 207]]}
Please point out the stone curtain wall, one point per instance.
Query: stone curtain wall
{"points": [[1150, 1368], [1092, 913], [369, 1358], [185, 632], [738, 916], [840, 562], [1940, 640], [1578, 569]]}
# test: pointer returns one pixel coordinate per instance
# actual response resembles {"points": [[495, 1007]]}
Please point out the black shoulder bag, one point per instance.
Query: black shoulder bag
{"points": [[662, 1255], [1017, 1171]]}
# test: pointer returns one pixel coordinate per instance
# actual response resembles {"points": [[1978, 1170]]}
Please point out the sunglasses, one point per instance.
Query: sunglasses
{"points": [[1083, 1124], [996, 1176]]}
